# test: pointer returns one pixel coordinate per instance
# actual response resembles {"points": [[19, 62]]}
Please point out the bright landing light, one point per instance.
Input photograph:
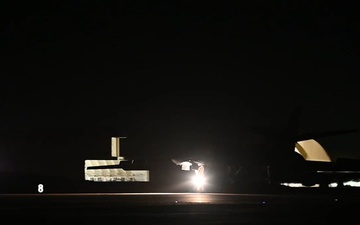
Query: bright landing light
{"points": [[199, 181]]}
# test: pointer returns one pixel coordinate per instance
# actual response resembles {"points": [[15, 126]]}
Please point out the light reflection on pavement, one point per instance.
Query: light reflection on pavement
{"points": [[177, 208]]}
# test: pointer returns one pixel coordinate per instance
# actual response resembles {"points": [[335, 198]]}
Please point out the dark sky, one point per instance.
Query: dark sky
{"points": [[176, 79]]}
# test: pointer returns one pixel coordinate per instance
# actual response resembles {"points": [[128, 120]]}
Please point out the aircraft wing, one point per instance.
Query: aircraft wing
{"points": [[177, 162], [343, 170], [199, 163]]}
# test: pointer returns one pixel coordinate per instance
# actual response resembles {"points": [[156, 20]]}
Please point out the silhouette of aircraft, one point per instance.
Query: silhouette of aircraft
{"points": [[291, 157]]}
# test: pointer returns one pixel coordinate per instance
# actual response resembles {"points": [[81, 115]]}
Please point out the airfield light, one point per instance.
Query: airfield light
{"points": [[199, 181], [352, 183]]}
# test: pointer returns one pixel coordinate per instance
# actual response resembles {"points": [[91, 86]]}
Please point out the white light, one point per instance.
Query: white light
{"points": [[199, 181], [298, 185], [292, 184], [352, 183]]}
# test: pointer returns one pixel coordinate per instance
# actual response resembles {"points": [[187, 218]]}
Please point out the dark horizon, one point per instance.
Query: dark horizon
{"points": [[214, 78]]}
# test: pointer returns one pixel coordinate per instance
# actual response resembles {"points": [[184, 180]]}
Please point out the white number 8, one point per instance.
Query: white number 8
{"points": [[40, 188]]}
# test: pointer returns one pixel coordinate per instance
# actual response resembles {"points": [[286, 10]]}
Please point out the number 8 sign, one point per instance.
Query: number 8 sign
{"points": [[40, 188]]}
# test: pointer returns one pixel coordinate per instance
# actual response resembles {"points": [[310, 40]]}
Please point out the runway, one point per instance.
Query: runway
{"points": [[178, 208]]}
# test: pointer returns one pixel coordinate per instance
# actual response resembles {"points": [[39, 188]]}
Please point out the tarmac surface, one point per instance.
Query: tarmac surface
{"points": [[179, 208]]}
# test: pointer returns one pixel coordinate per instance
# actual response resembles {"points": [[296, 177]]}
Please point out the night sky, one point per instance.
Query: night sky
{"points": [[176, 79]]}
